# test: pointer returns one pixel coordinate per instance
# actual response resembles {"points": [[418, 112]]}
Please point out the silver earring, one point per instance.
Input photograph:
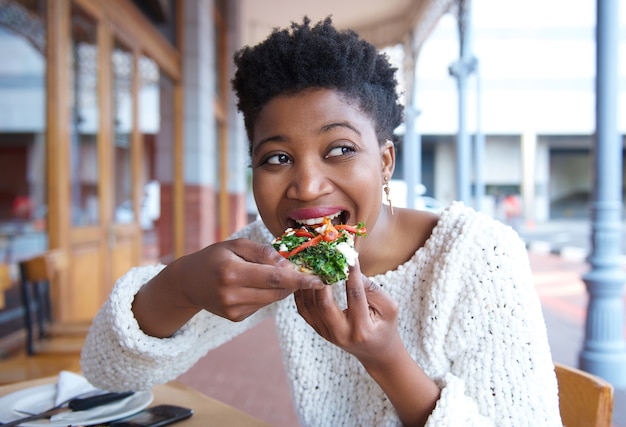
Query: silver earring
{"points": [[387, 196]]}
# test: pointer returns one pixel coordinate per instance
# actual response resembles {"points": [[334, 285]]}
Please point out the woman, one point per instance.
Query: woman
{"points": [[438, 323]]}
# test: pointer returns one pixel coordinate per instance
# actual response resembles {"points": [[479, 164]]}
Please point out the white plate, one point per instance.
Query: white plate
{"points": [[47, 392]]}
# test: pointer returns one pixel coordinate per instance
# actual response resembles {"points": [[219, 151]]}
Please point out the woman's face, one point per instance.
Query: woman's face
{"points": [[314, 154]]}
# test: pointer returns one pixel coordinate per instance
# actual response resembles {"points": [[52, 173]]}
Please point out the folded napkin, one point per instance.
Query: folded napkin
{"points": [[71, 385], [68, 386]]}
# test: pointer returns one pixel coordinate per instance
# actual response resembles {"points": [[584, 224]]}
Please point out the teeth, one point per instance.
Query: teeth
{"points": [[315, 221]]}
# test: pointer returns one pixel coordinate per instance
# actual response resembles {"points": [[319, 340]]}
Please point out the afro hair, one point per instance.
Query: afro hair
{"points": [[307, 57]]}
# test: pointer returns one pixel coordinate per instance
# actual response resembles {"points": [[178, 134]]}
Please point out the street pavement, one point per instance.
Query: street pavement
{"points": [[557, 252], [564, 299]]}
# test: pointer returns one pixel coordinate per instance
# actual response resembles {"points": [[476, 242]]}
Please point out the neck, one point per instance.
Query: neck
{"points": [[376, 253]]}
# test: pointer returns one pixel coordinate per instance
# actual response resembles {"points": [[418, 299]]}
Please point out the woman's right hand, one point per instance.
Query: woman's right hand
{"points": [[232, 279]]}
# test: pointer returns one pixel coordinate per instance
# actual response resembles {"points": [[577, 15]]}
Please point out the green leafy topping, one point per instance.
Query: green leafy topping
{"points": [[319, 255]]}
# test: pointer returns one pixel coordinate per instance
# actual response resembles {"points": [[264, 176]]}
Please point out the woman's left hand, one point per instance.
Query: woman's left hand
{"points": [[367, 328]]}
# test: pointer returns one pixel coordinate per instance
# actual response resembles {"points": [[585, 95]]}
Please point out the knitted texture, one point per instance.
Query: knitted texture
{"points": [[469, 316]]}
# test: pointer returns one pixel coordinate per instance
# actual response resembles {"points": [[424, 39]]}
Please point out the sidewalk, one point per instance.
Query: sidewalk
{"points": [[564, 301], [558, 250], [247, 373]]}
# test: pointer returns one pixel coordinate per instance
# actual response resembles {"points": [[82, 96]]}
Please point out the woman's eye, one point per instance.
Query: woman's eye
{"points": [[278, 159], [340, 151]]}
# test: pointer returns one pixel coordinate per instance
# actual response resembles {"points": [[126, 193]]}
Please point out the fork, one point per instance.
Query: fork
{"points": [[82, 395], [73, 404]]}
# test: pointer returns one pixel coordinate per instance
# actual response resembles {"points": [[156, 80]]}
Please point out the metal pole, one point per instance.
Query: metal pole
{"points": [[412, 143], [604, 349], [412, 162], [479, 149], [461, 69]]}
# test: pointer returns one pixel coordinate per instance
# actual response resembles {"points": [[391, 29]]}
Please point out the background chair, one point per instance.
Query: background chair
{"points": [[50, 346], [586, 400], [5, 282], [43, 334]]}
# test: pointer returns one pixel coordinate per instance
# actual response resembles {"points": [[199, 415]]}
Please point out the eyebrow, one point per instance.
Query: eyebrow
{"points": [[331, 126], [273, 138], [326, 128]]}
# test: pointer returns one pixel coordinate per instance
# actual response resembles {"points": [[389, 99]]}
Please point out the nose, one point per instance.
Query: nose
{"points": [[309, 182]]}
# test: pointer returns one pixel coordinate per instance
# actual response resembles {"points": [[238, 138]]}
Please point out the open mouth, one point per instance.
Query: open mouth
{"points": [[340, 217]]}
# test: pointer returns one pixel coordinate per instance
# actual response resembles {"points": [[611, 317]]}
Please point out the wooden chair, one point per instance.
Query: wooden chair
{"points": [[5, 282], [50, 347], [586, 400], [43, 334]]}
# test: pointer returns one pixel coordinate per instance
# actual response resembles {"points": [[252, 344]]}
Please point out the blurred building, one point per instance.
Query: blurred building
{"points": [[120, 143], [532, 96]]}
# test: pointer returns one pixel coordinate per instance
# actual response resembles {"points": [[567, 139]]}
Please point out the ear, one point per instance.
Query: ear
{"points": [[388, 157]]}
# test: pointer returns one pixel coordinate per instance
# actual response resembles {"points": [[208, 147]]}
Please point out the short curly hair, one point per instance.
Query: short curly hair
{"points": [[319, 56]]}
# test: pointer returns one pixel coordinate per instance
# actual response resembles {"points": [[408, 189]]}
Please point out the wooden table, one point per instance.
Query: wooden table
{"points": [[206, 411]]}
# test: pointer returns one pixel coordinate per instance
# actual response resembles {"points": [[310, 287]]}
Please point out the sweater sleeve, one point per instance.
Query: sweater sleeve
{"points": [[118, 355], [496, 369]]}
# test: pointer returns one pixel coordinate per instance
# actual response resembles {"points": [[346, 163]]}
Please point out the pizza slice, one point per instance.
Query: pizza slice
{"points": [[325, 250]]}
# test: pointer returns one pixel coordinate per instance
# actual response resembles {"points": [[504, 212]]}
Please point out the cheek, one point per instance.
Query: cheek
{"points": [[260, 190], [364, 186], [267, 193], [367, 177]]}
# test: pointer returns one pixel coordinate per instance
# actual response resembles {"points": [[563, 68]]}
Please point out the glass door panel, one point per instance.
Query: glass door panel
{"points": [[122, 97], [156, 121], [85, 120], [23, 206]]}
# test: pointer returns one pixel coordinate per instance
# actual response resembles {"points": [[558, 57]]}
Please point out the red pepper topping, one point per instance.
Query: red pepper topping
{"points": [[314, 241], [302, 232], [351, 229]]}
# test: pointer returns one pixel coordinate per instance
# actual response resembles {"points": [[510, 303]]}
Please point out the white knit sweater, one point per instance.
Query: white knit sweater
{"points": [[469, 316]]}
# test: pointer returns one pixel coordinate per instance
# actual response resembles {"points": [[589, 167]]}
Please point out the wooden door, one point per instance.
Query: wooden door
{"points": [[104, 232], [124, 233], [114, 246], [87, 164], [97, 176]]}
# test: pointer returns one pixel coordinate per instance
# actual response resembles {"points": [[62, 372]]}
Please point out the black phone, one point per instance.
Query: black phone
{"points": [[156, 416]]}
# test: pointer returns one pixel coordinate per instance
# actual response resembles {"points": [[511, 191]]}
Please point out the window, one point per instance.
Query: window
{"points": [[23, 207]]}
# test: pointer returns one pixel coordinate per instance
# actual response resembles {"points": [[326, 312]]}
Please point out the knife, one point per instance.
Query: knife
{"points": [[78, 404]]}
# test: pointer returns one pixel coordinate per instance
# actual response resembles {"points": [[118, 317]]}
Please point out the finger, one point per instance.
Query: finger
{"points": [[303, 305], [331, 315], [258, 253], [266, 268], [379, 301], [254, 298], [314, 307], [265, 284], [306, 306], [272, 277], [356, 295]]}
